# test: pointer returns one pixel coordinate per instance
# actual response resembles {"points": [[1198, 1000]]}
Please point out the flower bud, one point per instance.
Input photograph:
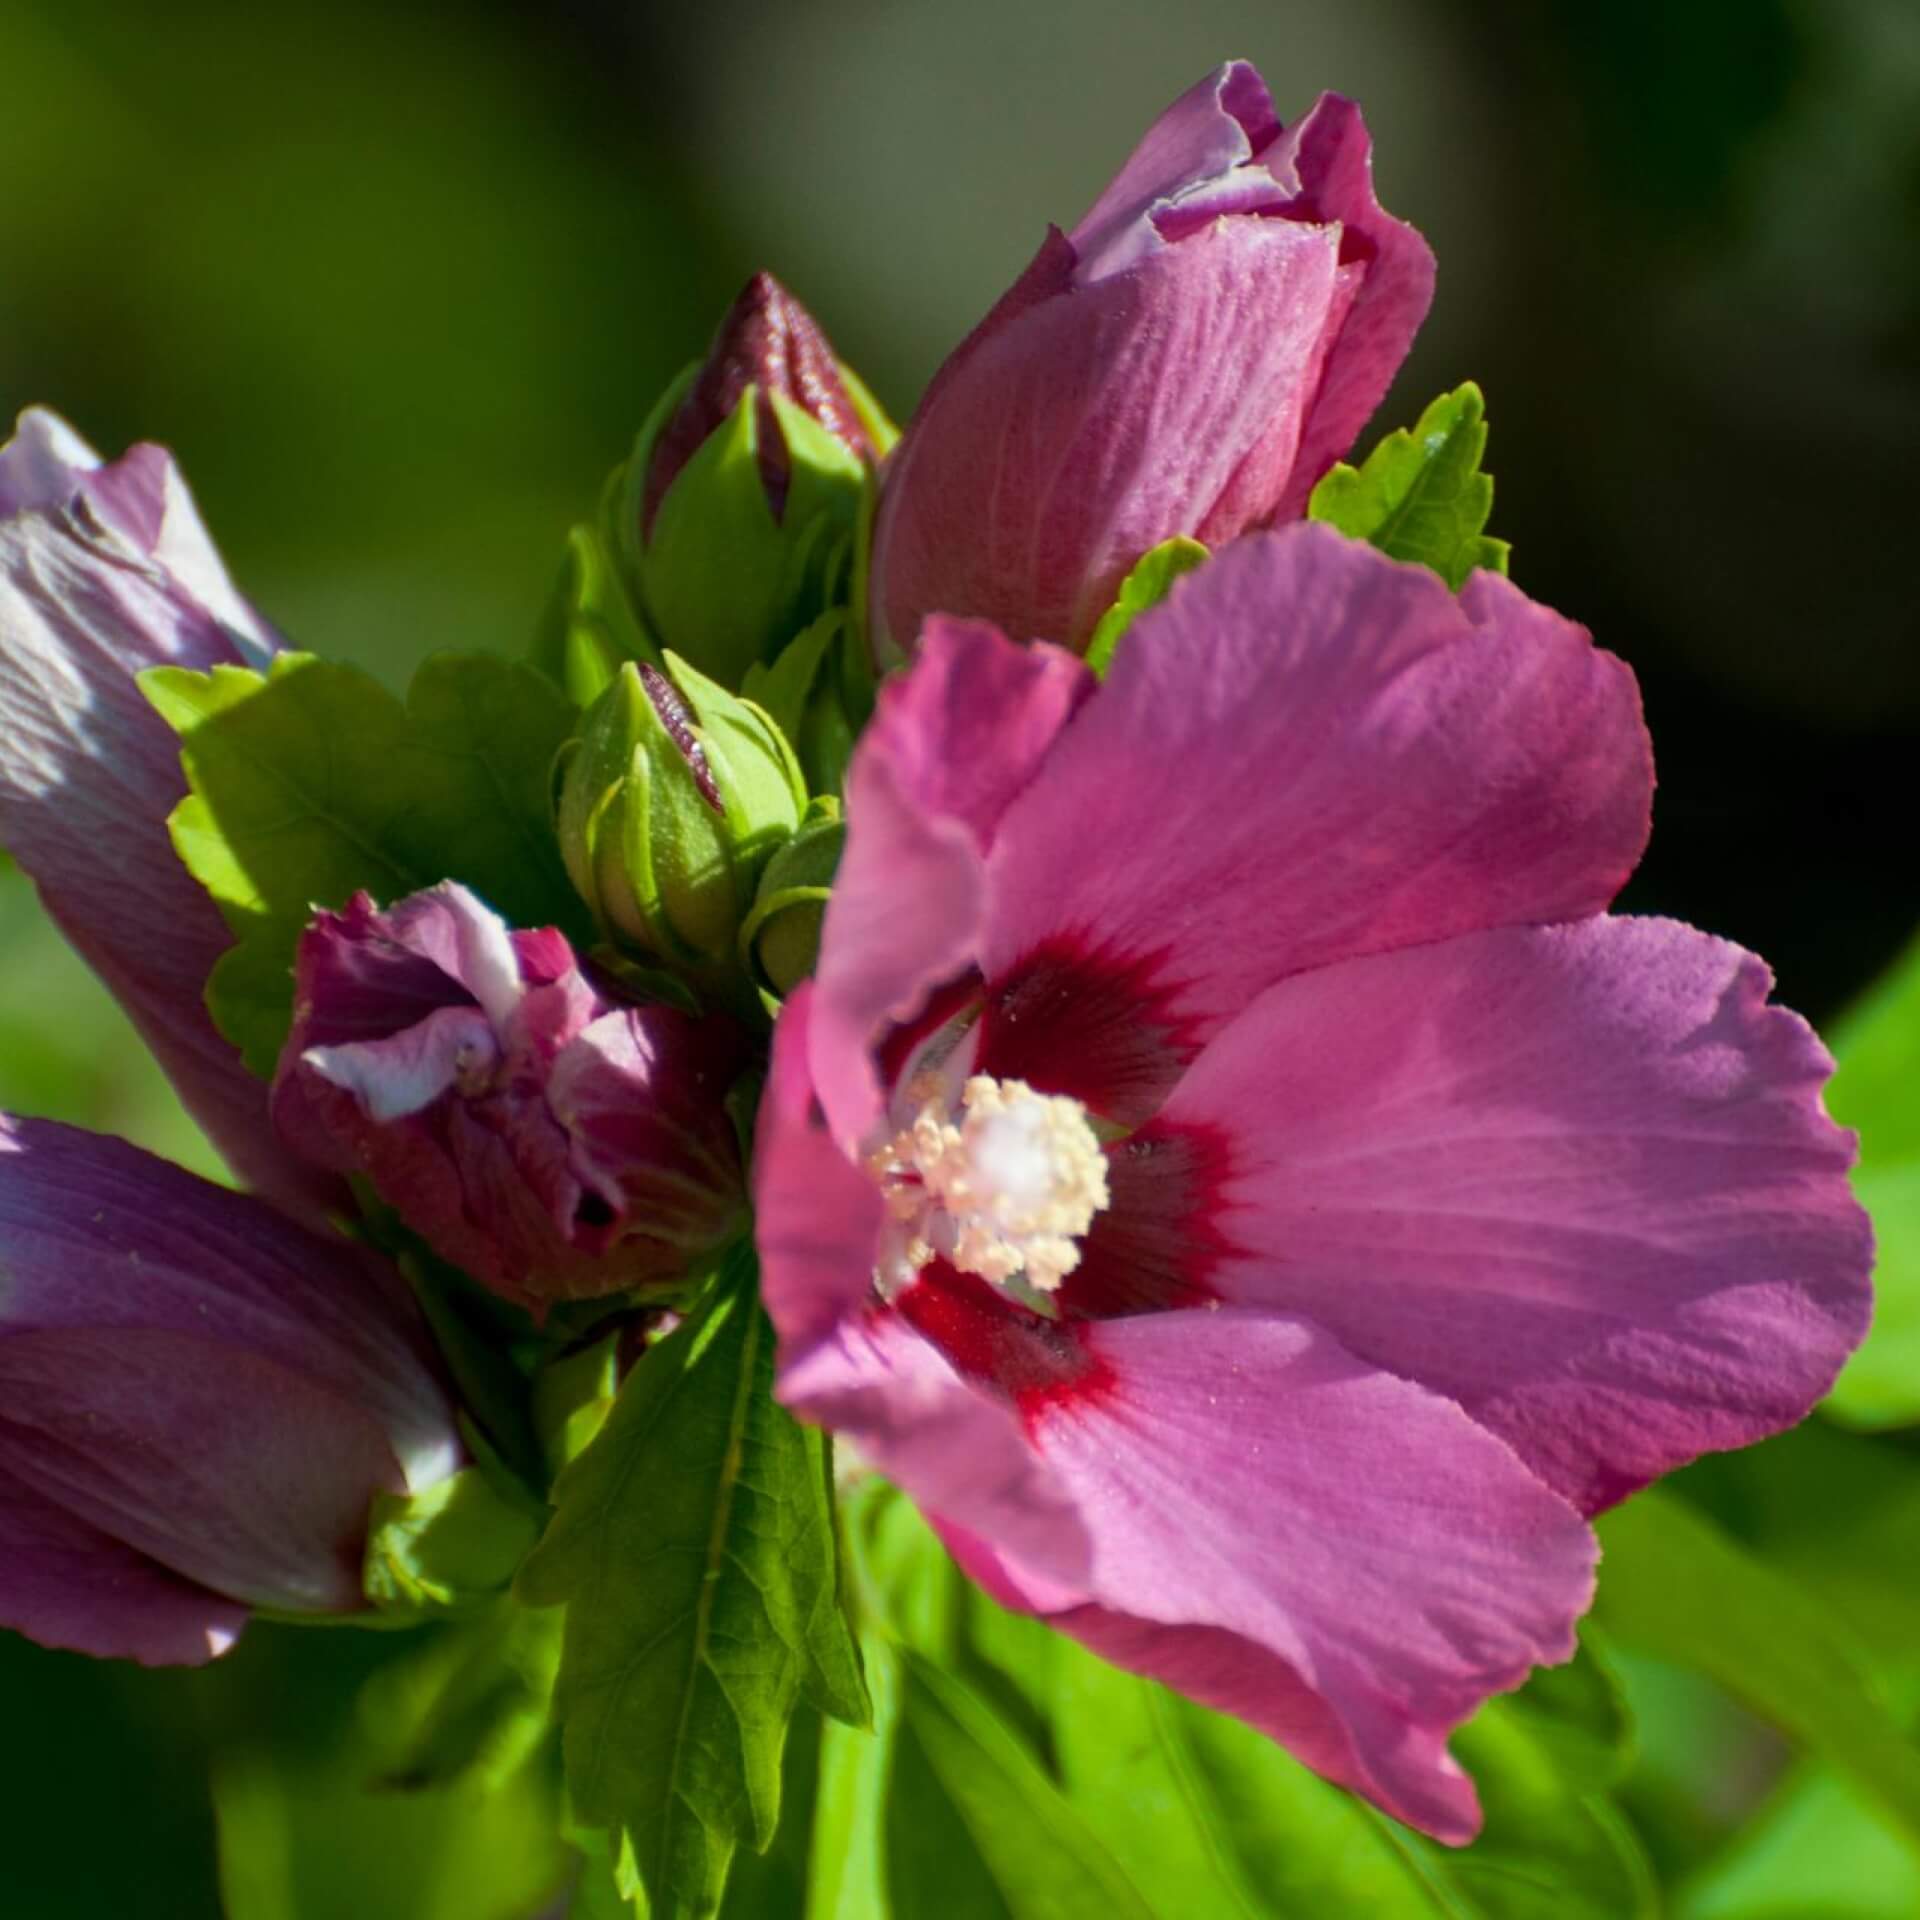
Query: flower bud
{"points": [[819, 691], [673, 799], [588, 631], [1189, 360], [552, 1144], [203, 1402], [781, 937], [746, 486]]}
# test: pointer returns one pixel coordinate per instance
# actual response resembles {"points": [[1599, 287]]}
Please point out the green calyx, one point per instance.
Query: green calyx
{"points": [[819, 690], [718, 574], [450, 1549], [780, 938], [672, 801], [589, 630]]}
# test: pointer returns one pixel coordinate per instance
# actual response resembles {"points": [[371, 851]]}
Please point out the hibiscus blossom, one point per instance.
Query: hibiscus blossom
{"points": [[1231, 1171]]}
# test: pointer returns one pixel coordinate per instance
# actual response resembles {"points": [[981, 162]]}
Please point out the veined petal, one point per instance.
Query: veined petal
{"points": [[186, 1371], [1093, 427], [1339, 1557], [950, 746], [1326, 159], [1577, 1178], [95, 1234], [106, 570], [228, 1469], [1307, 752], [64, 1583], [1198, 151]]}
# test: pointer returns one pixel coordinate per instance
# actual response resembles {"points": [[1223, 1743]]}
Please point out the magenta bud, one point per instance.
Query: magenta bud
{"points": [[1186, 362], [199, 1402], [553, 1144]]}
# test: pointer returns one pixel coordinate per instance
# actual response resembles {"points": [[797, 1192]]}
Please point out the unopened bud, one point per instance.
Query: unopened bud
{"points": [[781, 937], [675, 797], [746, 486]]}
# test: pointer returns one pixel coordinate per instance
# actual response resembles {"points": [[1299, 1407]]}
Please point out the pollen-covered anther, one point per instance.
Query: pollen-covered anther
{"points": [[1004, 1188]]}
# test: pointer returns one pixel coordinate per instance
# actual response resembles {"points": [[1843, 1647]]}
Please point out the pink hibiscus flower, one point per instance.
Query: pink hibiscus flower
{"points": [[1231, 1171]]}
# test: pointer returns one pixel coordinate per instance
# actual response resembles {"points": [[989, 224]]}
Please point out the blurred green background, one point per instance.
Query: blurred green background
{"points": [[398, 284]]}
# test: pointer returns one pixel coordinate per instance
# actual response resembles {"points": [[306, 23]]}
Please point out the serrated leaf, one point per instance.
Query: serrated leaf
{"points": [[311, 782], [1420, 495], [1150, 581], [1677, 1587], [693, 1543]]}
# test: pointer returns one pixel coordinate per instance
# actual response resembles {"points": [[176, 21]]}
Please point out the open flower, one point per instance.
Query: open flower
{"points": [[199, 1399], [106, 570], [1230, 1170], [1188, 360], [551, 1144]]}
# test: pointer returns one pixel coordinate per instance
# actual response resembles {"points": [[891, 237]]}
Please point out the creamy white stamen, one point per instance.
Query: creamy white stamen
{"points": [[1004, 1186]]}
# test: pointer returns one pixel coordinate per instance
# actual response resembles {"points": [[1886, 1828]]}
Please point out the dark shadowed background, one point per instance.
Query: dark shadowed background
{"points": [[398, 284]]}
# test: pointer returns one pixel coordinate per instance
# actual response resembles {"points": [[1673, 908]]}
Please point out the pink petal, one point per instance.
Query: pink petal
{"points": [[184, 1369], [953, 1445], [949, 748], [66, 1584], [817, 1216], [1099, 424], [1198, 150], [1339, 1557], [1307, 752], [1328, 158], [105, 571], [229, 1469], [392, 1078], [1578, 1178], [96, 1234]]}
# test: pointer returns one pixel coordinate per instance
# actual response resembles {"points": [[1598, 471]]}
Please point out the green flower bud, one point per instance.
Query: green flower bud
{"points": [[589, 629], [746, 487], [819, 691], [780, 939], [672, 801]]}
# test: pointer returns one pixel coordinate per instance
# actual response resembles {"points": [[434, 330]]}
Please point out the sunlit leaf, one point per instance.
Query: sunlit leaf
{"points": [[693, 1543], [1421, 495]]}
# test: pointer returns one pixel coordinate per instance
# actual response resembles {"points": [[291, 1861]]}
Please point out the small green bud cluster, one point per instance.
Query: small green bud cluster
{"points": [[706, 625]]}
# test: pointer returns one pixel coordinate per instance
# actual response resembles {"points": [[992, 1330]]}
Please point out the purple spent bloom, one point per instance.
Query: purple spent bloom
{"points": [[554, 1145], [1231, 1171], [1189, 360], [199, 1398], [106, 569]]}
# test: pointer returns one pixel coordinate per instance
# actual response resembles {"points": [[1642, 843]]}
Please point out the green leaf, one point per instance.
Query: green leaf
{"points": [[471, 1701], [1817, 1851], [847, 1863], [1421, 496], [694, 1545], [313, 1821], [1146, 586], [1042, 1858], [1877, 1089], [1207, 1817], [451, 1547], [1677, 1587], [312, 782]]}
